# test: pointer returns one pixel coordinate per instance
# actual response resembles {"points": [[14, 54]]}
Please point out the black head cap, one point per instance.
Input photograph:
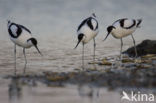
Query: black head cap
{"points": [[110, 28], [93, 14], [80, 37], [34, 41], [9, 21]]}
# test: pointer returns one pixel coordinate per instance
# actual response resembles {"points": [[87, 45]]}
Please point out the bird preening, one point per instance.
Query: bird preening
{"points": [[22, 37]]}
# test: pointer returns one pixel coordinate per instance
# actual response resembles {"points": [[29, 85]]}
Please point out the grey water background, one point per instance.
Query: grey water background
{"points": [[54, 24], [59, 17]]}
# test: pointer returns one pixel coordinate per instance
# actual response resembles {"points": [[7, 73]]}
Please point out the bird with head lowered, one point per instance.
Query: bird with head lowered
{"points": [[22, 37]]}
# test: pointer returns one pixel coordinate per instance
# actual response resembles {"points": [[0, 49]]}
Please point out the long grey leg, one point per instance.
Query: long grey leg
{"points": [[83, 56], [25, 60], [121, 49], [134, 46], [15, 59], [94, 50]]}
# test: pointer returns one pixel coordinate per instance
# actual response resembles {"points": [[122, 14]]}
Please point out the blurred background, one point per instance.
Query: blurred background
{"points": [[58, 17]]}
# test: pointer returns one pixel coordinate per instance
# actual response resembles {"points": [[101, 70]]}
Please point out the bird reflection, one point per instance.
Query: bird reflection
{"points": [[89, 92], [14, 90]]}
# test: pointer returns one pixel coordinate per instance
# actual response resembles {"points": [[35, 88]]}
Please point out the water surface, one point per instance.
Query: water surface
{"points": [[54, 23]]}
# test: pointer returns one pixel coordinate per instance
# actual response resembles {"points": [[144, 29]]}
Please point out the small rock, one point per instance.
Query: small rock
{"points": [[127, 60], [144, 48], [105, 62], [143, 66], [57, 77], [149, 56], [138, 61]]}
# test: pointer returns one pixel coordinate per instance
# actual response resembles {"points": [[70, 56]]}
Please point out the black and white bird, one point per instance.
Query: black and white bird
{"points": [[122, 28], [86, 31], [22, 37]]}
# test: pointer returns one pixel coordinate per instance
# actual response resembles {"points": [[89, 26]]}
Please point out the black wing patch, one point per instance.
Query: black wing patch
{"points": [[134, 23], [83, 22], [18, 32], [119, 20], [122, 22], [25, 28], [89, 23], [139, 22]]}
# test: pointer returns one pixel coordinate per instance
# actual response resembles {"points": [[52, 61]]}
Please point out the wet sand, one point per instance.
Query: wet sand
{"points": [[59, 56]]}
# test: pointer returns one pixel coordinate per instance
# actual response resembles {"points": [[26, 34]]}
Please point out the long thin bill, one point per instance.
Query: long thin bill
{"points": [[106, 37], [77, 44], [38, 50]]}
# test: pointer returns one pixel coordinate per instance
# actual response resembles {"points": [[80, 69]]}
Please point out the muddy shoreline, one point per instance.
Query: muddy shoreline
{"points": [[140, 73]]}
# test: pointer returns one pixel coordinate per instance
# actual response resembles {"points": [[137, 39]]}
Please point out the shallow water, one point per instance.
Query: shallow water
{"points": [[37, 92], [30, 91], [54, 23]]}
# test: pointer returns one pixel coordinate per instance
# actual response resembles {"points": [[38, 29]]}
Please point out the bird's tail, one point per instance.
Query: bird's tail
{"points": [[139, 22]]}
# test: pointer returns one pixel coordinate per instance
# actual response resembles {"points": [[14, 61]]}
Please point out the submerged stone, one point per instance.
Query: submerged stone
{"points": [[105, 62], [54, 76], [127, 60]]}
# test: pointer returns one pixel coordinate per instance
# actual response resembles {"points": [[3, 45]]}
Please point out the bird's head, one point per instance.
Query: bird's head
{"points": [[93, 14], [109, 30], [80, 38], [9, 23], [33, 41]]}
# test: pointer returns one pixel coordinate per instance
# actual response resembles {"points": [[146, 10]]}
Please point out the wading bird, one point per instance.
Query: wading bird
{"points": [[122, 28], [86, 31], [22, 37]]}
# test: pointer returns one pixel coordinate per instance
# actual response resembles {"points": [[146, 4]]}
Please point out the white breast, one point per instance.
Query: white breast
{"points": [[22, 39], [120, 32], [89, 34]]}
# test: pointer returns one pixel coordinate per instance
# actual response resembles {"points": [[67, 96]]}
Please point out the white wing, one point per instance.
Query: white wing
{"points": [[129, 23], [94, 23], [13, 29]]}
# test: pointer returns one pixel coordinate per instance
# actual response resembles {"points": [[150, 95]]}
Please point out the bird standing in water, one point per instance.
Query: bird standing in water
{"points": [[122, 28], [86, 31], [22, 37]]}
